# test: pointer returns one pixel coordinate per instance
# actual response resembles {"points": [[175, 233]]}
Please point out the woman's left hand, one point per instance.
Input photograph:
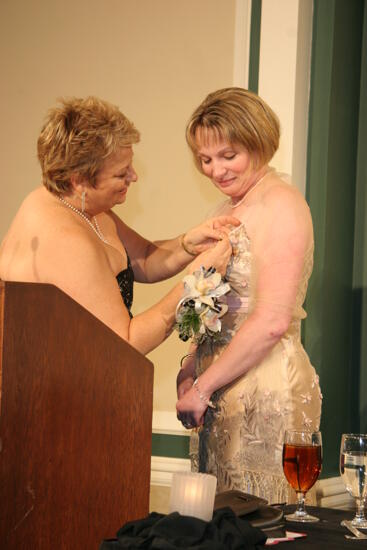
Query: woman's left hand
{"points": [[190, 409], [205, 235]]}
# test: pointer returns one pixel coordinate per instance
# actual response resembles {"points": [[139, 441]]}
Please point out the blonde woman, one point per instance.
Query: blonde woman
{"points": [[260, 380], [66, 234]]}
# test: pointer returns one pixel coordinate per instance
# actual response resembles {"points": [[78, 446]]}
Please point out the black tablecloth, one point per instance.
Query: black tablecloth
{"points": [[326, 534]]}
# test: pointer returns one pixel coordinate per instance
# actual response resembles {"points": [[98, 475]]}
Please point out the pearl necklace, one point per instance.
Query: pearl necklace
{"points": [[95, 228], [251, 189]]}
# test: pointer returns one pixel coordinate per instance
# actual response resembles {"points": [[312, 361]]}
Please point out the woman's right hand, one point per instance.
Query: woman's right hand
{"points": [[217, 256]]}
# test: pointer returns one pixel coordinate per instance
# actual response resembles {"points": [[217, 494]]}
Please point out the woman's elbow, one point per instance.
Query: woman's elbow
{"points": [[278, 328]]}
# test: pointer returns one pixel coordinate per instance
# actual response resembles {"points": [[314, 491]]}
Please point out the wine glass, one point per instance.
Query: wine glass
{"points": [[302, 458], [353, 466]]}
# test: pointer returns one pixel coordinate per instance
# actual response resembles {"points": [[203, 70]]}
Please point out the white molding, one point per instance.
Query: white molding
{"points": [[165, 422], [331, 493], [241, 54], [330, 486], [163, 467], [277, 70], [284, 78], [302, 94]]}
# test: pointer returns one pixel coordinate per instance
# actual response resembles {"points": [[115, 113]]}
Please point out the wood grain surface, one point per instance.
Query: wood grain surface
{"points": [[75, 424]]}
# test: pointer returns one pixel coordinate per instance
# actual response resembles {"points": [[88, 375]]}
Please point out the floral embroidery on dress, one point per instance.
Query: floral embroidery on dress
{"points": [[315, 381], [306, 398], [307, 422]]}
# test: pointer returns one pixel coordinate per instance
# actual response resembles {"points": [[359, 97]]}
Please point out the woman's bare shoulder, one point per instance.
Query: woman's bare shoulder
{"points": [[43, 238], [35, 199], [35, 208], [279, 187], [283, 197]]}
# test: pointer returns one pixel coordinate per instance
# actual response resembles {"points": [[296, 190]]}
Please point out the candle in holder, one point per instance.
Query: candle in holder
{"points": [[193, 494]]}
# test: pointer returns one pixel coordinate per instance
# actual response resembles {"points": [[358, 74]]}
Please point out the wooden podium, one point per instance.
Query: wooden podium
{"points": [[75, 424]]}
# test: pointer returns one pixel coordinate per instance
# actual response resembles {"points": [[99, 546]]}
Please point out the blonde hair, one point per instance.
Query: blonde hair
{"points": [[239, 117], [77, 137]]}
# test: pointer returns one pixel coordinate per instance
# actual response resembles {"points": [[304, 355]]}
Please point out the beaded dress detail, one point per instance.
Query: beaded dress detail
{"points": [[125, 280], [242, 438]]}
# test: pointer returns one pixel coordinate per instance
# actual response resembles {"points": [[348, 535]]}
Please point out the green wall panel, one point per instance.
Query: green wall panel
{"points": [[331, 193], [359, 327], [173, 446], [254, 61]]}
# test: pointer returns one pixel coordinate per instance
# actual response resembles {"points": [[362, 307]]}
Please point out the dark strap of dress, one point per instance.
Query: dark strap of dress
{"points": [[125, 280]]}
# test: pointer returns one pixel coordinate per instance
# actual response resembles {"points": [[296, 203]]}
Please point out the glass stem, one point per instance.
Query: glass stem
{"points": [[301, 509], [360, 509]]}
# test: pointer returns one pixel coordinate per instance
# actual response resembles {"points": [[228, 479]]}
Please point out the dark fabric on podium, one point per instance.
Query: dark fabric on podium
{"points": [[160, 532]]}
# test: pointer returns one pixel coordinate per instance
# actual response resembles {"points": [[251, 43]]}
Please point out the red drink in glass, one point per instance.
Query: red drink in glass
{"points": [[301, 465], [302, 459]]}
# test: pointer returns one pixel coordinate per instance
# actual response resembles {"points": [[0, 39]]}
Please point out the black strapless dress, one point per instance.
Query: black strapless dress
{"points": [[125, 280]]}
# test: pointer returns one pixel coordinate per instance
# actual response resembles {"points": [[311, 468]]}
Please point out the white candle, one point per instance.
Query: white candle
{"points": [[193, 494]]}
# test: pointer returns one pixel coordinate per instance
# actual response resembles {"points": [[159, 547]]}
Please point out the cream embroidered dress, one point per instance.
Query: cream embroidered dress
{"points": [[241, 440]]}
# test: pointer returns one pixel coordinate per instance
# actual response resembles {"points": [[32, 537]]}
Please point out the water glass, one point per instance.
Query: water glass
{"points": [[353, 465]]}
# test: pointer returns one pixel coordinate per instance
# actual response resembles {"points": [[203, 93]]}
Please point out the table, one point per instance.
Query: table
{"points": [[326, 534]]}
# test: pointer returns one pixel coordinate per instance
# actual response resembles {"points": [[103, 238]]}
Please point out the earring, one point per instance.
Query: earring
{"points": [[83, 202]]}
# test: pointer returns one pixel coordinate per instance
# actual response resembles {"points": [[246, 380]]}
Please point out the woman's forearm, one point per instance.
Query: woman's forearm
{"points": [[149, 329], [252, 343], [164, 259], [152, 261], [187, 366]]}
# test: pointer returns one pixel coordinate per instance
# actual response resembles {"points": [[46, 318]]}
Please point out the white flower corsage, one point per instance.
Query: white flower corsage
{"points": [[199, 311]]}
